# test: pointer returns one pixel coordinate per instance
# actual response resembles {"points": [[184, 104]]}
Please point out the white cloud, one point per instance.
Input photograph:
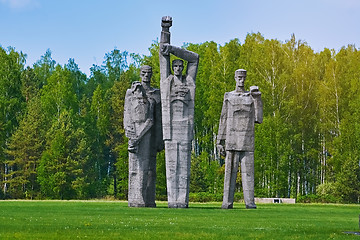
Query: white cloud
{"points": [[20, 4]]}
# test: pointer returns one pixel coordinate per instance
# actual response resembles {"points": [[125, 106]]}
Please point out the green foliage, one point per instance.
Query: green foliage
{"points": [[31, 84], [99, 127], [313, 198], [44, 67], [11, 104], [59, 94], [206, 175], [60, 172], [161, 192], [24, 152], [61, 132], [348, 181], [205, 197], [327, 192]]}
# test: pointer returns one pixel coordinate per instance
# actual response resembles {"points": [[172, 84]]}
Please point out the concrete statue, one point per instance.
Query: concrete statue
{"points": [[241, 110], [177, 99], [142, 123]]}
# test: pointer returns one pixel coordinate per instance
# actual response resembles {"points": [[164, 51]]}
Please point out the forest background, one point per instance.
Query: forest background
{"points": [[62, 136]]}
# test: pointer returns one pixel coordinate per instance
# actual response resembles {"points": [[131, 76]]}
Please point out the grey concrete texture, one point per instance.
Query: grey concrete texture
{"points": [[177, 99], [241, 110], [154, 119], [142, 123]]}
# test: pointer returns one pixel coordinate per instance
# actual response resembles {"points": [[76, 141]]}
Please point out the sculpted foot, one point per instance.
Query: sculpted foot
{"points": [[136, 204], [227, 206], [151, 205], [251, 206], [178, 205]]}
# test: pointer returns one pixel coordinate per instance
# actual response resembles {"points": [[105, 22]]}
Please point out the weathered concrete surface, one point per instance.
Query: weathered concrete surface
{"points": [[241, 110], [177, 99], [142, 123]]}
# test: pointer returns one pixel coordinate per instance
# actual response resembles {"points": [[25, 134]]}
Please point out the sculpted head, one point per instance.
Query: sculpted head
{"points": [[240, 76], [178, 67], [146, 73]]}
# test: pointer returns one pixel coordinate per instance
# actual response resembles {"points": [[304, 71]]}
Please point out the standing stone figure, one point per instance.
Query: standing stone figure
{"points": [[142, 123], [241, 110], [177, 99]]}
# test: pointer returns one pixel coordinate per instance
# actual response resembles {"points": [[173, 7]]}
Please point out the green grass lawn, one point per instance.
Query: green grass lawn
{"points": [[114, 220]]}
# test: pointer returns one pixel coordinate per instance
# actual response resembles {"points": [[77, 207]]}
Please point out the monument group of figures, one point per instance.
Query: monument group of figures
{"points": [[156, 119]]}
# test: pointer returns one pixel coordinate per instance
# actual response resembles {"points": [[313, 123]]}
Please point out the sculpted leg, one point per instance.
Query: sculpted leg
{"points": [[184, 175], [247, 176], [177, 156], [139, 174], [135, 195], [231, 169], [151, 182], [171, 152]]}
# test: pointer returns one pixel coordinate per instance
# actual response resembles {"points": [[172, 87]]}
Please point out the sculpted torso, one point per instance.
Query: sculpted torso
{"points": [[240, 121]]}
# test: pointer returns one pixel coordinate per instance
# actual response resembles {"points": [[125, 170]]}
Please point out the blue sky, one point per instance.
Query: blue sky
{"points": [[87, 29]]}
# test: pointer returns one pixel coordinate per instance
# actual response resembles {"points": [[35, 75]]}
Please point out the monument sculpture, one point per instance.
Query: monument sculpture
{"points": [[241, 110], [142, 123], [177, 99]]}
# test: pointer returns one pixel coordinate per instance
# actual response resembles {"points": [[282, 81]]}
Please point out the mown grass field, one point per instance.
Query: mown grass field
{"points": [[114, 220]]}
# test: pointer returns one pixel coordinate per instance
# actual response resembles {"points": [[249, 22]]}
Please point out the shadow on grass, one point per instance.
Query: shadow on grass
{"points": [[207, 205]]}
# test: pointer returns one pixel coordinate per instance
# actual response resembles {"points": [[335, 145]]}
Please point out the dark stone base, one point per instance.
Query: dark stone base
{"points": [[251, 206], [227, 206], [178, 205], [136, 204], [151, 205]]}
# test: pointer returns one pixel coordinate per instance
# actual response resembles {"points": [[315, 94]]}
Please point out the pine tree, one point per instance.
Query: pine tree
{"points": [[24, 152], [60, 172], [11, 104]]}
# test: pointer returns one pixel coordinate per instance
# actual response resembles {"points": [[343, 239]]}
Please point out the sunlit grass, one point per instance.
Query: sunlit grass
{"points": [[114, 220]]}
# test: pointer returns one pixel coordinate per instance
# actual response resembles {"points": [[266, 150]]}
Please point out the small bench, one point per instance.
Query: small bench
{"points": [[275, 200]]}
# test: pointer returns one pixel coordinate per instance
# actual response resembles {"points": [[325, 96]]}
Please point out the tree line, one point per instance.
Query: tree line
{"points": [[62, 136]]}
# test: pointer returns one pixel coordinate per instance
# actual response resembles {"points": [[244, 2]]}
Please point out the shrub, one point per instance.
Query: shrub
{"points": [[161, 197], [238, 196], [205, 197], [312, 198]]}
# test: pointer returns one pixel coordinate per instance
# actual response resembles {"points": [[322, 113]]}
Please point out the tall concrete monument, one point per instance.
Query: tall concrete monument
{"points": [[177, 99], [142, 123], [241, 110]]}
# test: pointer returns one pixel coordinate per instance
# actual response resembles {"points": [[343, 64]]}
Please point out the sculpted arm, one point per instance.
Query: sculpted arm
{"points": [[258, 104], [164, 59], [129, 125], [191, 57], [221, 137], [166, 23], [158, 127], [145, 127], [133, 132]]}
